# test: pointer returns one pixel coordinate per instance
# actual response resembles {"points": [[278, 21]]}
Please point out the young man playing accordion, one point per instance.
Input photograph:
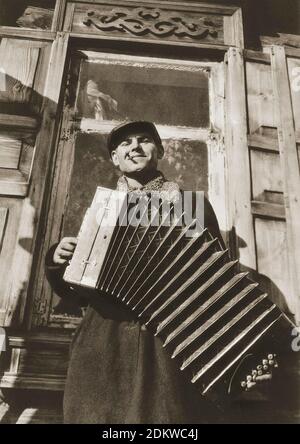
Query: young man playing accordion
{"points": [[118, 370]]}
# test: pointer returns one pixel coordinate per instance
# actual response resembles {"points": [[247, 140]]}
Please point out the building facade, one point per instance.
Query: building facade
{"points": [[229, 117]]}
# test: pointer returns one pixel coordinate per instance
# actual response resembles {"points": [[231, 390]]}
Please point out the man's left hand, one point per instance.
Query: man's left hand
{"points": [[255, 385]]}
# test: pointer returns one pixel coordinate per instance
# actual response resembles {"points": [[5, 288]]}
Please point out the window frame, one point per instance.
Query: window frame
{"points": [[213, 137]]}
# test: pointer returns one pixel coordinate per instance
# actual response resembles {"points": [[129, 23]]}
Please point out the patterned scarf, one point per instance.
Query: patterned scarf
{"points": [[157, 186]]}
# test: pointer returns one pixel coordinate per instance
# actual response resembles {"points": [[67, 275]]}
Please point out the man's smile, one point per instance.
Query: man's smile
{"points": [[136, 156], [137, 152]]}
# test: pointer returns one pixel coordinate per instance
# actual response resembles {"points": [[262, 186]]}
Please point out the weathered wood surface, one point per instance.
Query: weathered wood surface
{"points": [[234, 30], [10, 229], [269, 210], [166, 21], [272, 257], [16, 158], [266, 174], [25, 235], [264, 142], [290, 168], [59, 14], [191, 5], [34, 34], [13, 122], [238, 159], [262, 112], [10, 150], [217, 187], [272, 114], [281, 39], [18, 60], [56, 205]]}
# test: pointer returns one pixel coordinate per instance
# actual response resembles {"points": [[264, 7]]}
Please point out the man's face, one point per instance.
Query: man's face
{"points": [[137, 152]]}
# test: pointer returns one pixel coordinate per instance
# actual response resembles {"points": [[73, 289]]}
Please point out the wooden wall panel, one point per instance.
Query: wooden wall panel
{"points": [[168, 22], [270, 222], [272, 258], [262, 112], [23, 64], [19, 61], [32, 205], [156, 21], [10, 150], [33, 78], [287, 137], [238, 162], [217, 187], [9, 222], [267, 182], [16, 159]]}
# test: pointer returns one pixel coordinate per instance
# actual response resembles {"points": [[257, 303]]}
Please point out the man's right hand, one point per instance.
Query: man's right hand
{"points": [[64, 250]]}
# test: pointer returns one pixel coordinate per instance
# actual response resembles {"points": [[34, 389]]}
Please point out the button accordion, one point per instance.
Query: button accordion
{"points": [[210, 316]]}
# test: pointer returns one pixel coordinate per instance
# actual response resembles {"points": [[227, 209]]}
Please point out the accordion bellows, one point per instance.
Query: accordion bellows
{"points": [[184, 288]]}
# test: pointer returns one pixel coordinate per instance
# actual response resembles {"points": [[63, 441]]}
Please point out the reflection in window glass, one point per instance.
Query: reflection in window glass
{"points": [[185, 162], [174, 96], [31, 14]]}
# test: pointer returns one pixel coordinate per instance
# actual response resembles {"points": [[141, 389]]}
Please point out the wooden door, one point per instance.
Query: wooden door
{"points": [[31, 76], [263, 169]]}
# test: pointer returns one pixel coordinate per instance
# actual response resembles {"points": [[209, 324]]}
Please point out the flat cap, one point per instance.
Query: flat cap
{"points": [[124, 129]]}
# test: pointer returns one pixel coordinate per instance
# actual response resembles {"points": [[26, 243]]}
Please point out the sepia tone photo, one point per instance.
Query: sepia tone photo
{"points": [[149, 212]]}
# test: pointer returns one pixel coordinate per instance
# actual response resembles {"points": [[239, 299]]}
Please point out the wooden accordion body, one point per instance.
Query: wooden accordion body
{"points": [[185, 289]]}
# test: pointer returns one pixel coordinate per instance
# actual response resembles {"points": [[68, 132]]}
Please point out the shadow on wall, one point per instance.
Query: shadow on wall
{"points": [[265, 283]]}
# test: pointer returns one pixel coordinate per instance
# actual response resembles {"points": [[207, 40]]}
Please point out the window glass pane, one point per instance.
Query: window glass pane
{"points": [[185, 162], [176, 96], [92, 168], [31, 14], [114, 88]]}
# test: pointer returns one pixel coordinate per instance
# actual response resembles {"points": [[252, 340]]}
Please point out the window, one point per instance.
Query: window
{"points": [[107, 89]]}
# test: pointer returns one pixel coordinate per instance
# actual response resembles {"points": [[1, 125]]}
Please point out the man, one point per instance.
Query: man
{"points": [[118, 371]]}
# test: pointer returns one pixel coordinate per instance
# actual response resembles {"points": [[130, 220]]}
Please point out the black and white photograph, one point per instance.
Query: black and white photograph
{"points": [[149, 214]]}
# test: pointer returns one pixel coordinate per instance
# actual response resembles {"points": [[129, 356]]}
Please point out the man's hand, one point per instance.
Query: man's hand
{"points": [[65, 250], [256, 383], [251, 381], [263, 372]]}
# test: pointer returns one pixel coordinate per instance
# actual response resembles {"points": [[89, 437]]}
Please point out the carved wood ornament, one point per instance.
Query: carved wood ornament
{"points": [[144, 21]]}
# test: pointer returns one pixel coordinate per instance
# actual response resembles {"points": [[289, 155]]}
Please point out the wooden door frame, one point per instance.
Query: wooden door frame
{"points": [[214, 138], [48, 341]]}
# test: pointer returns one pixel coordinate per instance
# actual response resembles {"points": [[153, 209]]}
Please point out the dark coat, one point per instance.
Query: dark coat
{"points": [[118, 371]]}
